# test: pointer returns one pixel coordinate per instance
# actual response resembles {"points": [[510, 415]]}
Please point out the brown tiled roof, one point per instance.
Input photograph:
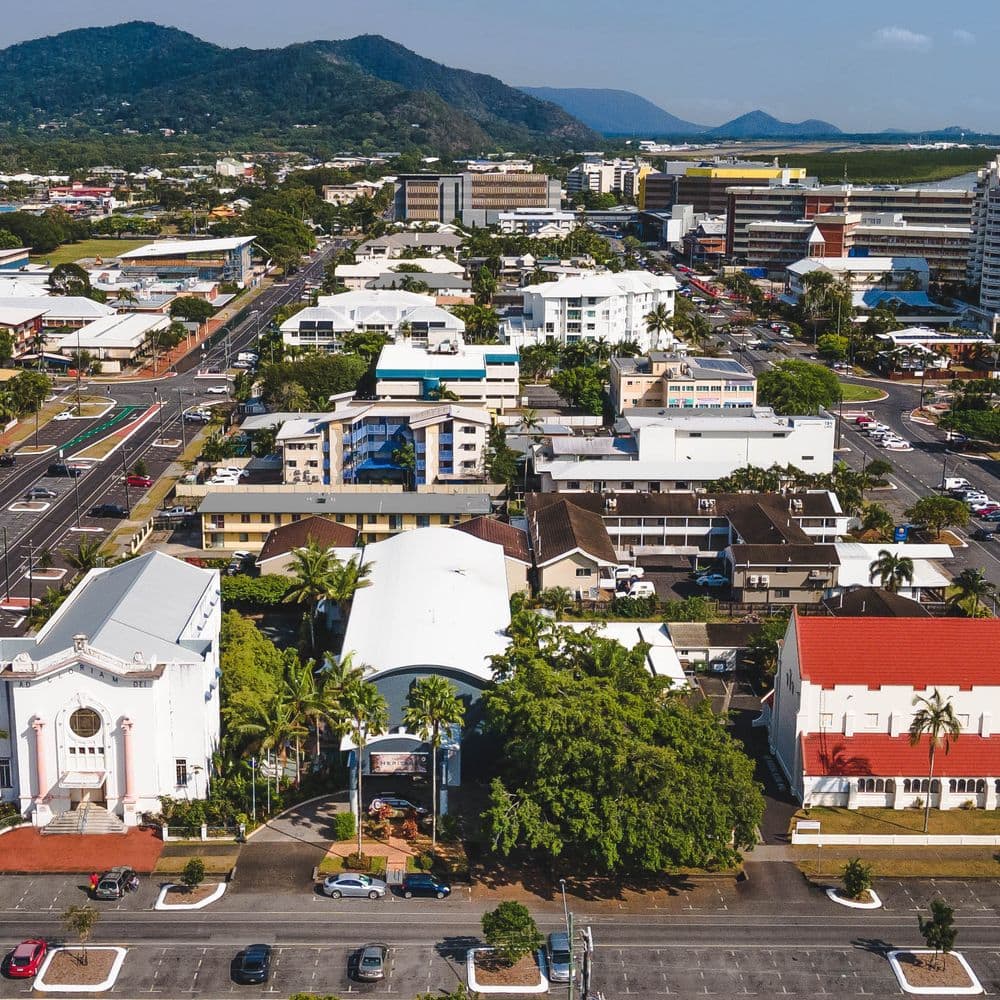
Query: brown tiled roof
{"points": [[785, 555], [765, 523], [875, 602], [490, 529], [561, 527], [320, 530]]}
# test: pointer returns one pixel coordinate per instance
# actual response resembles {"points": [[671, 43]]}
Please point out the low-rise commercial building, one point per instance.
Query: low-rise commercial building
{"points": [[671, 381], [543, 223], [360, 275], [393, 245], [862, 274], [118, 340], [224, 260], [241, 518]]}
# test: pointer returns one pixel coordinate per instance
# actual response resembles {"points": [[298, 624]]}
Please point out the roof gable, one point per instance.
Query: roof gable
{"points": [[319, 530]]}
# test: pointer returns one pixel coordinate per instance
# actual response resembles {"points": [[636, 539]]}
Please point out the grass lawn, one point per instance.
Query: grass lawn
{"points": [[70, 252], [219, 858], [854, 393], [901, 862], [902, 821]]}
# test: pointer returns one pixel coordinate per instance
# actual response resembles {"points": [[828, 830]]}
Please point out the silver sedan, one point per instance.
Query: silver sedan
{"points": [[351, 884]]}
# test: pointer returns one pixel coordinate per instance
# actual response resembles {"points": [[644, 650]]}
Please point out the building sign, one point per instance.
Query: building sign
{"points": [[397, 763]]}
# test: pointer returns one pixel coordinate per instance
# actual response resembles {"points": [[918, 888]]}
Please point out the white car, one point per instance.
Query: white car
{"points": [[899, 445], [218, 390], [224, 481], [231, 470], [982, 505], [65, 415]]}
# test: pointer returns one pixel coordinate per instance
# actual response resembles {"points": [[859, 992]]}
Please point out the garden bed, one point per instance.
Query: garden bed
{"points": [[900, 821], [487, 974], [64, 971], [922, 971], [180, 897]]}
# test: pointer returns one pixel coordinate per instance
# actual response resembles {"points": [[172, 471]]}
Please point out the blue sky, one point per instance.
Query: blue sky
{"points": [[861, 64]]}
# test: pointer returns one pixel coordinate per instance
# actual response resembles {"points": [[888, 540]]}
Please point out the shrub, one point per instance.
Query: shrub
{"points": [[511, 932], [634, 607], [857, 878], [690, 609], [266, 590], [194, 873], [424, 861], [449, 827], [357, 862], [409, 828], [344, 826]]}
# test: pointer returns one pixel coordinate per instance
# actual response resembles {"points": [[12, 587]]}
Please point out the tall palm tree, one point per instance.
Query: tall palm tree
{"points": [[433, 702], [368, 714], [305, 703], [335, 677], [312, 581], [658, 320], [265, 725], [891, 571], [876, 519], [972, 591], [347, 578], [86, 556], [936, 719]]}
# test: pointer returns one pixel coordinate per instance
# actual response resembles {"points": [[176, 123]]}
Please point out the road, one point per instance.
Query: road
{"points": [[772, 935], [54, 527]]}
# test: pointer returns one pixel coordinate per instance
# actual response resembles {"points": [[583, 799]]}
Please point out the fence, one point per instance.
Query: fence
{"points": [[893, 840], [228, 831]]}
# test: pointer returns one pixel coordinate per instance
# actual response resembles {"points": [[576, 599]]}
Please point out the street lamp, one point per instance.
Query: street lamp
{"points": [[569, 935], [180, 416]]}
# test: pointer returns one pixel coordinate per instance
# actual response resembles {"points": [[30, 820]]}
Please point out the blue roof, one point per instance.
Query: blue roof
{"points": [[876, 296]]}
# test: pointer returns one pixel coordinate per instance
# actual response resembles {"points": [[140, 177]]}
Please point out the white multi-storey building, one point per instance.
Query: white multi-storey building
{"points": [[984, 254], [607, 307], [845, 694], [537, 222], [605, 176], [116, 701]]}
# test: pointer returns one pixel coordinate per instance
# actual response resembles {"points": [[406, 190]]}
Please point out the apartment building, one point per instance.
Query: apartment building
{"points": [[242, 519], [476, 198], [479, 374], [24, 319], [393, 245], [775, 245], [607, 177], [389, 311], [541, 223], [675, 381], [747, 204], [600, 306], [360, 442], [657, 451], [362, 274], [984, 255]]}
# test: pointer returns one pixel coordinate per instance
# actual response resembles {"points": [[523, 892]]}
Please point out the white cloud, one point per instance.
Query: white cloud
{"points": [[901, 38], [963, 37]]}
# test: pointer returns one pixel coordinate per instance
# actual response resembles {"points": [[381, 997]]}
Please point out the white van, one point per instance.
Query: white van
{"points": [[641, 588]]}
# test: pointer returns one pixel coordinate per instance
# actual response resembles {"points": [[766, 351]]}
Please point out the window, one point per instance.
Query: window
{"points": [[244, 536], [583, 571], [573, 484], [423, 520], [244, 518], [826, 720], [627, 484], [5, 781], [782, 592], [85, 722], [808, 458], [371, 519], [871, 720], [181, 770], [265, 518]]}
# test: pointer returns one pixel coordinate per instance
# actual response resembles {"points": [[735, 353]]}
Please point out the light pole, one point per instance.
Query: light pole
{"points": [[180, 416], [253, 789], [76, 493], [569, 935], [6, 565]]}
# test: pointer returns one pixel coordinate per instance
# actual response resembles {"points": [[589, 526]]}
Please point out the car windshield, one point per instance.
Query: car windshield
{"points": [[108, 883], [23, 959], [371, 961]]}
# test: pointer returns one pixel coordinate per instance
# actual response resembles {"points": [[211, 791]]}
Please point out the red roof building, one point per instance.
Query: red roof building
{"points": [[845, 694]]}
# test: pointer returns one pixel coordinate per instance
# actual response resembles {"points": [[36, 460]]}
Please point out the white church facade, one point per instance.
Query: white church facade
{"points": [[115, 701]]}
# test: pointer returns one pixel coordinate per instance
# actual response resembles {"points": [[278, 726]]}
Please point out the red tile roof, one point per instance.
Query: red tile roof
{"points": [[887, 756], [909, 652], [489, 529], [298, 534]]}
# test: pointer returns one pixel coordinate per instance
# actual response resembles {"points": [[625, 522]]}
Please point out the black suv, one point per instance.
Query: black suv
{"points": [[8, 458], [108, 510], [424, 885], [62, 469], [253, 965], [115, 883]]}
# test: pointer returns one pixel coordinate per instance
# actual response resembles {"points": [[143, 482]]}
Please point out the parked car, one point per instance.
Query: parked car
{"points": [[65, 415], [981, 510], [369, 962], [194, 417], [985, 535], [629, 572], [231, 470], [898, 445], [993, 516], [253, 964], [115, 883], [142, 481], [560, 959], [218, 390], [26, 959], [109, 510], [397, 803], [712, 580], [8, 458], [40, 493], [864, 420], [57, 469], [424, 884], [223, 481], [641, 588], [171, 513], [353, 886]]}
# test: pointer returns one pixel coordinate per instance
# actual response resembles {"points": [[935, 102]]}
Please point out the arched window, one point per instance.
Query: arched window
{"points": [[952, 785], [923, 785], [981, 786], [880, 785], [906, 786], [935, 786], [890, 785]]}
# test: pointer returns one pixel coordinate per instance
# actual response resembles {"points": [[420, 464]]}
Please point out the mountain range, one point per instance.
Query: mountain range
{"points": [[145, 77]]}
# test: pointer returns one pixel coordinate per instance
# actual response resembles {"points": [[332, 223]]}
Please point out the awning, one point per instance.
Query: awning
{"points": [[82, 779]]}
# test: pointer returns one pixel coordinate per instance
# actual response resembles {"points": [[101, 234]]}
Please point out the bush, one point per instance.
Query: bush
{"points": [[194, 873], [357, 862], [409, 828], [424, 861], [857, 878], [449, 827], [633, 607], [511, 932], [690, 609], [266, 590], [344, 826]]}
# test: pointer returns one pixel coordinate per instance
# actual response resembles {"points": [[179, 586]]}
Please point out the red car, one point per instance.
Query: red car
{"points": [[143, 481], [26, 959]]}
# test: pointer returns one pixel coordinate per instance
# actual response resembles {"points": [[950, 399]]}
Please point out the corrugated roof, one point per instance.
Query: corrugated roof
{"points": [[875, 603], [236, 502], [908, 652], [893, 756], [785, 555]]}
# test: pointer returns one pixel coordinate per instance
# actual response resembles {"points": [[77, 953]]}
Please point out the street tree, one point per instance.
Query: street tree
{"points": [[935, 719], [511, 931], [195, 310], [798, 387], [432, 704], [193, 874], [939, 931], [877, 522], [857, 878], [594, 749], [891, 570], [81, 921], [937, 512]]}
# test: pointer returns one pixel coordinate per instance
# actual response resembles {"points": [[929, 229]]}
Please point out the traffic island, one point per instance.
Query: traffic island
{"points": [[928, 973], [79, 970], [868, 900], [489, 974], [174, 896]]}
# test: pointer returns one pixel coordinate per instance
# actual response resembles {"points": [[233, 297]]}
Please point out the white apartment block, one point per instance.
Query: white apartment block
{"points": [[395, 313], [604, 177], [984, 255], [656, 451], [358, 276], [603, 306], [538, 222]]}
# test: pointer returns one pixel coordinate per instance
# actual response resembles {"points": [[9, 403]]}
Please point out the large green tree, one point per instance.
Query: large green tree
{"points": [[604, 767], [582, 387], [798, 387], [936, 513]]}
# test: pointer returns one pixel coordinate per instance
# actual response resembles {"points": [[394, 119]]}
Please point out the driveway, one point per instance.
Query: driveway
{"points": [[283, 853]]}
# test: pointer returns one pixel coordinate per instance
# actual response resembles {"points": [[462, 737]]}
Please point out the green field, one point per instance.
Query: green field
{"points": [[70, 252], [854, 393]]}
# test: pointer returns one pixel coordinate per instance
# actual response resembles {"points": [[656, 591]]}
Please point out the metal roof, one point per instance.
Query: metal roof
{"points": [[280, 502]]}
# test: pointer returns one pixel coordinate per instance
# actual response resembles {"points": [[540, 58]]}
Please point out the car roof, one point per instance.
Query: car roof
{"points": [[257, 949], [559, 939], [28, 947]]}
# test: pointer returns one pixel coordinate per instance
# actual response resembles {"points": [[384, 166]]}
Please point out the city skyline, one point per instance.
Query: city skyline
{"points": [[914, 67]]}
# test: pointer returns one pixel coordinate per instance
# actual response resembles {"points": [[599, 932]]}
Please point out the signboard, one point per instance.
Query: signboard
{"points": [[397, 763]]}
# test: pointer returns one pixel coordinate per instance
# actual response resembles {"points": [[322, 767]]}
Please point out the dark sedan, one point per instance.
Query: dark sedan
{"points": [[424, 885], [253, 965]]}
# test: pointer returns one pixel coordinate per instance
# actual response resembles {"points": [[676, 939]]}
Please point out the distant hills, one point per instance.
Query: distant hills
{"points": [[615, 112], [144, 77], [761, 125]]}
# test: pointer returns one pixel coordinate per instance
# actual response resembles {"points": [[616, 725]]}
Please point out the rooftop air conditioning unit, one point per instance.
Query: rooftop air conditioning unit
{"points": [[752, 581], [763, 581]]}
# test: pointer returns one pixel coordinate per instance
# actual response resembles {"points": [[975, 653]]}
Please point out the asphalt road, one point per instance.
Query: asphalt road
{"points": [[51, 528]]}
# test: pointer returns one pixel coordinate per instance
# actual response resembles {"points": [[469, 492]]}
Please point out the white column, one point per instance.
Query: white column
{"points": [[43, 812]]}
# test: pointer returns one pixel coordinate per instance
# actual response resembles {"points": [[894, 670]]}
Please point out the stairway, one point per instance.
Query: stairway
{"points": [[88, 818]]}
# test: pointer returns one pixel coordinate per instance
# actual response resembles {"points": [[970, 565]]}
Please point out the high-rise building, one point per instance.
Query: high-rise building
{"points": [[984, 254], [475, 198], [703, 184]]}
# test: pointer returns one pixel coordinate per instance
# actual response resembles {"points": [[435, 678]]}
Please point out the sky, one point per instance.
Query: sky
{"points": [[863, 65]]}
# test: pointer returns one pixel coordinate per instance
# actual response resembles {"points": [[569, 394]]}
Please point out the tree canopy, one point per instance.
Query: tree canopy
{"points": [[798, 387], [605, 767]]}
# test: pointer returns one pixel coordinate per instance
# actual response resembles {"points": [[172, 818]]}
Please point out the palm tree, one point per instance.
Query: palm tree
{"points": [[313, 573], [936, 718], [405, 457], [265, 725], [347, 579], [876, 519], [658, 320], [891, 571], [433, 702], [972, 591], [336, 676], [304, 701], [531, 423], [368, 713], [86, 556]]}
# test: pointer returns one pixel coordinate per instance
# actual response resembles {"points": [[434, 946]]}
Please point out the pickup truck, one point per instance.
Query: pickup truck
{"points": [[174, 512]]}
